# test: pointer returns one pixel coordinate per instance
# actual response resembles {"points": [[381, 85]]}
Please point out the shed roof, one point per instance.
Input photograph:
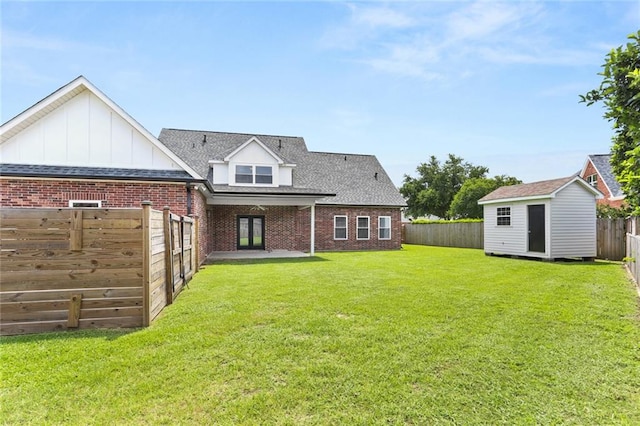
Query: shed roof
{"points": [[535, 190]]}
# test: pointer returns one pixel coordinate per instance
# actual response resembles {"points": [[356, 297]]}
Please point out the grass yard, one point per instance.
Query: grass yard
{"points": [[425, 335]]}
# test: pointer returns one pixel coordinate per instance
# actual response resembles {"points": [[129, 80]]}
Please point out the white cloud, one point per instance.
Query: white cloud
{"points": [[432, 41]]}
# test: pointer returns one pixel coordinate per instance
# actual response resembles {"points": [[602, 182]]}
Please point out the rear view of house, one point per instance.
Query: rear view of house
{"points": [[78, 148], [549, 219]]}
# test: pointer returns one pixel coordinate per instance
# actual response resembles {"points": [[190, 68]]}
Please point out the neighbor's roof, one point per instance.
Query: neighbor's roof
{"points": [[602, 164], [354, 179], [42, 171], [534, 190]]}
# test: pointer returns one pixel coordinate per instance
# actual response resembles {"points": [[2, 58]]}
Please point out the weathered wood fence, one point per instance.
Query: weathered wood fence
{"points": [[610, 236], [610, 240], [91, 268], [465, 235]]}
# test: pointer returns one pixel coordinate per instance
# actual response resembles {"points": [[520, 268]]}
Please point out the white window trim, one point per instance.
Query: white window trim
{"points": [[346, 227], [498, 216], [98, 203], [358, 228], [254, 169], [380, 227]]}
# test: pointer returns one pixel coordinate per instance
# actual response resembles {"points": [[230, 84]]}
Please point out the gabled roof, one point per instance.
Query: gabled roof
{"points": [[255, 140], [354, 179], [535, 190], [69, 91], [602, 164]]}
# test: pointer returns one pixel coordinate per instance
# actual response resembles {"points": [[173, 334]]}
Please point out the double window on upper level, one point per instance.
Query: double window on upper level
{"points": [[254, 175]]}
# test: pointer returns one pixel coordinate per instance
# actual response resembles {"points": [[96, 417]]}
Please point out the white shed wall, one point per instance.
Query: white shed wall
{"points": [[84, 131], [505, 239], [573, 223]]}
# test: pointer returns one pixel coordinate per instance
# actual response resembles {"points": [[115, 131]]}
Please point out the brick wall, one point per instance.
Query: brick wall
{"points": [[324, 228], [288, 228], [590, 170], [58, 192]]}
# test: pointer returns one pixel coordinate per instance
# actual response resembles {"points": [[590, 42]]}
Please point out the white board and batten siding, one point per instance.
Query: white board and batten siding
{"points": [[84, 131]]}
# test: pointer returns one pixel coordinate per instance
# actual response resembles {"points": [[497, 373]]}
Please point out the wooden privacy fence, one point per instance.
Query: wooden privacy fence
{"points": [[610, 238], [465, 235], [91, 268], [633, 256]]}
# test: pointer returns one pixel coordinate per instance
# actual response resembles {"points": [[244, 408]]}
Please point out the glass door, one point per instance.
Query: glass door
{"points": [[250, 232]]}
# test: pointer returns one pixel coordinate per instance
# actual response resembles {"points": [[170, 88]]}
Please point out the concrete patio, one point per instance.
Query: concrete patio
{"points": [[253, 254]]}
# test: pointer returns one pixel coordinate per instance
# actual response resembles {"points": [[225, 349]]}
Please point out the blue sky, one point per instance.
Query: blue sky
{"points": [[494, 83]]}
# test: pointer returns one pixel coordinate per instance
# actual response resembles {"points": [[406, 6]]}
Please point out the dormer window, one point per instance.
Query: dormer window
{"points": [[261, 175], [593, 180]]}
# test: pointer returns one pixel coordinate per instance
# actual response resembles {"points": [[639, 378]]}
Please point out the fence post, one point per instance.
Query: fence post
{"points": [[146, 262], [168, 254], [195, 243]]}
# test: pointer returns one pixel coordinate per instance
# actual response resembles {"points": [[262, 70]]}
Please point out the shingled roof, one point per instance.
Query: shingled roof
{"points": [[602, 163], [354, 179], [541, 189], [44, 171]]}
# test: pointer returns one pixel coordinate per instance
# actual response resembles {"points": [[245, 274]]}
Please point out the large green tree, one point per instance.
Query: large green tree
{"points": [[620, 94], [432, 192], [465, 202]]}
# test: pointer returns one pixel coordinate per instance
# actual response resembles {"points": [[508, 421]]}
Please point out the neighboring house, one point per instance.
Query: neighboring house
{"points": [[76, 147], [597, 172], [550, 219]]}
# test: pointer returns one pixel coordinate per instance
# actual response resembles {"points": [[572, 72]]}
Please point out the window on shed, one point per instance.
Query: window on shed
{"points": [[340, 228], [384, 227], [504, 216], [363, 228]]}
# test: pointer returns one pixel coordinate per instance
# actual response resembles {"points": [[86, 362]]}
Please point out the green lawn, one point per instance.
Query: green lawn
{"points": [[425, 335]]}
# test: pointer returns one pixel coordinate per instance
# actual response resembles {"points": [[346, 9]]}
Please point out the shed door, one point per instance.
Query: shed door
{"points": [[536, 228]]}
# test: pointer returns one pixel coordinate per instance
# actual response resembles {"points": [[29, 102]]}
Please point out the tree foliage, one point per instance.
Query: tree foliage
{"points": [[434, 190], [620, 93], [465, 203]]}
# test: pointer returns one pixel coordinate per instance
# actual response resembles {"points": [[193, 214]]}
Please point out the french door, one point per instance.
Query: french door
{"points": [[250, 231]]}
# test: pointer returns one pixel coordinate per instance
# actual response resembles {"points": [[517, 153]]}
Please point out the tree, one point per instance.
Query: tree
{"points": [[432, 192], [620, 93], [465, 203]]}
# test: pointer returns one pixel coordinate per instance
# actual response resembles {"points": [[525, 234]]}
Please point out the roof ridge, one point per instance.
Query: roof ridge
{"points": [[231, 133]]}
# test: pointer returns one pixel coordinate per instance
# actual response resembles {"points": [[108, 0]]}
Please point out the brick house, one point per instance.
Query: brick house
{"points": [[597, 172], [76, 147]]}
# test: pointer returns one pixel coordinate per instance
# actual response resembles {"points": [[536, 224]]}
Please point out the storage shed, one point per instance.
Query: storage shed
{"points": [[549, 219]]}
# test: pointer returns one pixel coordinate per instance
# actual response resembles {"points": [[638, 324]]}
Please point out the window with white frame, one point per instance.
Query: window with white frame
{"points": [[362, 223], [85, 203], [340, 228], [261, 175], [593, 180], [503, 216], [384, 227]]}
